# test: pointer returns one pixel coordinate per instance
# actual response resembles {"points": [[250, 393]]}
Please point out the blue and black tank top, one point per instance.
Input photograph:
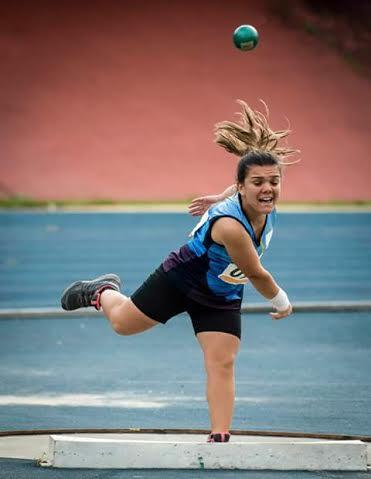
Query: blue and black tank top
{"points": [[203, 270]]}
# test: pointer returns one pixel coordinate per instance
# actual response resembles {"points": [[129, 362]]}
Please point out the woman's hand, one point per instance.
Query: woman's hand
{"points": [[199, 205], [282, 314]]}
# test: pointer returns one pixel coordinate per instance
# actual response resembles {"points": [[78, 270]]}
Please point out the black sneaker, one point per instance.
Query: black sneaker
{"points": [[82, 294], [219, 437]]}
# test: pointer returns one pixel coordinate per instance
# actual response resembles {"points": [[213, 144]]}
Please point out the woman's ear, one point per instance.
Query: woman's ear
{"points": [[240, 189]]}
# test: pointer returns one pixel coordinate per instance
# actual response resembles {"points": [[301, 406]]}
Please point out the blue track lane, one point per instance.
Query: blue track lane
{"points": [[309, 372], [314, 256]]}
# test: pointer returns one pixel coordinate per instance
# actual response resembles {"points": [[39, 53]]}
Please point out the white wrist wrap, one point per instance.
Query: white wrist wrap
{"points": [[280, 301]]}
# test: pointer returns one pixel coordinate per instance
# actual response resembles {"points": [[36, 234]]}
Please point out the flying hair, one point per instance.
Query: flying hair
{"points": [[253, 134]]}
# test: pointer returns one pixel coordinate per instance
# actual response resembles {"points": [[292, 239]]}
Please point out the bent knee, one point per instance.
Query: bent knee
{"points": [[118, 322], [126, 322], [119, 327]]}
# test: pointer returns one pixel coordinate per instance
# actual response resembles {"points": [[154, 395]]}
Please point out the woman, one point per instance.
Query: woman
{"points": [[205, 277]]}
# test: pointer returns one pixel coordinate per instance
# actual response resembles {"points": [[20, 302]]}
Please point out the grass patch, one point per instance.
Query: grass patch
{"points": [[328, 203], [89, 204], [25, 202]]}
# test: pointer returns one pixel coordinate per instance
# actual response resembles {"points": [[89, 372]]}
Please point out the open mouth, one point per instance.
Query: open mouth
{"points": [[266, 200]]}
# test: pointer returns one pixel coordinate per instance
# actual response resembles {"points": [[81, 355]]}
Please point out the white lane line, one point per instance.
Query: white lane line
{"points": [[79, 400], [115, 400]]}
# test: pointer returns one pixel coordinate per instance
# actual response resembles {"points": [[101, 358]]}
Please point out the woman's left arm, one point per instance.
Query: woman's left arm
{"points": [[233, 236], [199, 205]]}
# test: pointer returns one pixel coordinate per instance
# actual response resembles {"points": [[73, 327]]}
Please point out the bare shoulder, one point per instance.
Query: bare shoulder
{"points": [[227, 229]]}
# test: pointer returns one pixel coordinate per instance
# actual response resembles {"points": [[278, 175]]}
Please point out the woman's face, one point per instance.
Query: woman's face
{"points": [[261, 188]]}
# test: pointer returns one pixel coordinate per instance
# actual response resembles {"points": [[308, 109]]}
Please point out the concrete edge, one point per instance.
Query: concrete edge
{"points": [[72, 452]]}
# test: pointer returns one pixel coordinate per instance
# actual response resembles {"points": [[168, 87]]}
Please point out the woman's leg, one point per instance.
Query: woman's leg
{"points": [[124, 316], [220, 350], [104, 292]]}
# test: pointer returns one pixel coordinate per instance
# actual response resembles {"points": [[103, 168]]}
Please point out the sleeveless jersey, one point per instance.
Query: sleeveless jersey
{"points": [[203, 270]]}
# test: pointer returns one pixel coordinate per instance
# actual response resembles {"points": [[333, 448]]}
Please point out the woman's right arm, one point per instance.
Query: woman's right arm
{"points": [[235, 239]]}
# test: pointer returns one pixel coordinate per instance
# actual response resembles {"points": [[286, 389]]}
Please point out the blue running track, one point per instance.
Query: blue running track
{"points": [[309, 372]]}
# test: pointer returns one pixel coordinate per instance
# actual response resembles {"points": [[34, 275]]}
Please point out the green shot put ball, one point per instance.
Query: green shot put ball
{"points": [[245, 37]]}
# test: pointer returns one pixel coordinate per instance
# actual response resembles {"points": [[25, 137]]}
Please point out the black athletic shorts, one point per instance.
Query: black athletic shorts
{"points": [[160, 300]]}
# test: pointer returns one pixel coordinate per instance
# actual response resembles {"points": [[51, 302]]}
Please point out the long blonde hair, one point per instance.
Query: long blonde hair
{"points": [[253, 134]]}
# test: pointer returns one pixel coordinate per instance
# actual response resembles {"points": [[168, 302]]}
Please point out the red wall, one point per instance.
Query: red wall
{"points": [[110, 99]]}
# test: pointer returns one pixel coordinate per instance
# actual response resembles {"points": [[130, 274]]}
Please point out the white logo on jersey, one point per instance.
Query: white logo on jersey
{"points": [[233, 275]]}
